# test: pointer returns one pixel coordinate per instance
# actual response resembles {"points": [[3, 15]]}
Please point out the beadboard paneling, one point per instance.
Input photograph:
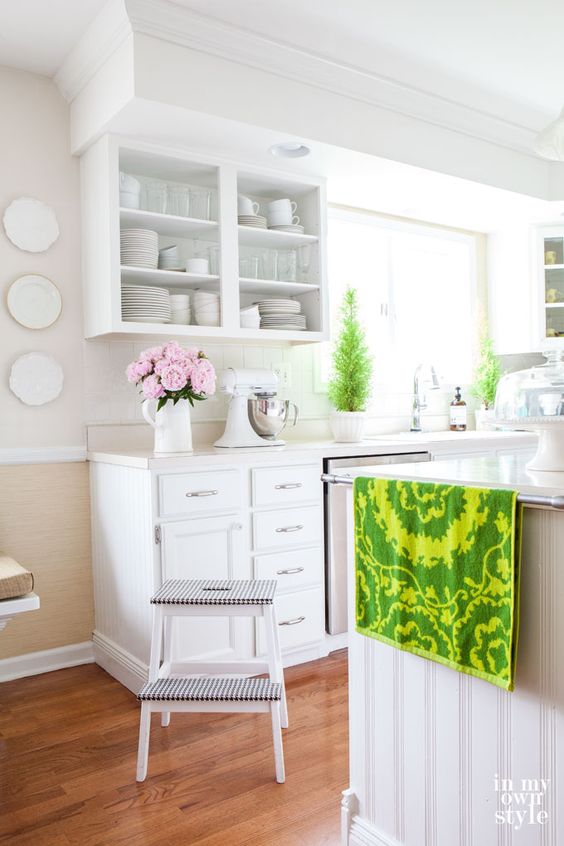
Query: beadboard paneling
{"points": [[45, 525]]}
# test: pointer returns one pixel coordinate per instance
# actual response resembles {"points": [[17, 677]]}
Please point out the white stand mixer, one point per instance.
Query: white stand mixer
{"points": [[242, 385]]}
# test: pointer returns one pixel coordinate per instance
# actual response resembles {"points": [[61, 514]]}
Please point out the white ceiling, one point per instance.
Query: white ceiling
{"points": [[503, 57], [36, 35]]}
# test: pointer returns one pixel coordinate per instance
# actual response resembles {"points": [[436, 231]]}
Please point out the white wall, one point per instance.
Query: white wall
{"points": [[36, 161]]}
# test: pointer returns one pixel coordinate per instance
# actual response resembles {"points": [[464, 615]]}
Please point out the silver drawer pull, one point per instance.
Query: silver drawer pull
{"points": [[292, 622], [290, 571], [290, 528], [290, 486], [202, 493]]}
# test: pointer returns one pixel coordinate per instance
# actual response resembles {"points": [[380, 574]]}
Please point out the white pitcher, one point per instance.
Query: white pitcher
{"points": [[173, 431]]}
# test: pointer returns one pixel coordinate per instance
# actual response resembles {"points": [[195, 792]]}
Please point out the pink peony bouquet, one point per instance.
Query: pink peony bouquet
{"points": [[172, 372]]}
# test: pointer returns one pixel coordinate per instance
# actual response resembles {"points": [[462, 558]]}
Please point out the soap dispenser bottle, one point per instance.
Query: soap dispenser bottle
{"points": [[457, 412]]}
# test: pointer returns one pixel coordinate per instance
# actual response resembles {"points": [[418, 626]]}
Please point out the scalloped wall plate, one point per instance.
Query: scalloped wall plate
{"points": [[36, 378], [31, 225]]}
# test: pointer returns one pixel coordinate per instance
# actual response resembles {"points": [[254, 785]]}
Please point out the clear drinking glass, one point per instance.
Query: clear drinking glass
{"points": [[214, 259], [287, 265], [200, 203], [178, 200], [304, 260], [155, 196], [249, 267]]}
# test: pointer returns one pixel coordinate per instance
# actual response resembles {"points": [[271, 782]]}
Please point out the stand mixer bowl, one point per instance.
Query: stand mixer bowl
{"points": [[269, 415]]}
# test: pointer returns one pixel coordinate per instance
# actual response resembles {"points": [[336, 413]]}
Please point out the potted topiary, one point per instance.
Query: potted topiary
{"points": [[487, 374], [350, 383]]}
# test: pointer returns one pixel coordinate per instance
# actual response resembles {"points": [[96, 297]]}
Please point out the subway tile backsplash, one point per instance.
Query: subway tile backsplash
{"points": [[109, 398]]}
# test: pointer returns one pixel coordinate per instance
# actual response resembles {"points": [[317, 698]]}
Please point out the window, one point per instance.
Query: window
{"points": [[417, 289]]}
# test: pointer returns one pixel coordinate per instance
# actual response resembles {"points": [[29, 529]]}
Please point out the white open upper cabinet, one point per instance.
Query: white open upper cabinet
{"points": [[214, 233]]}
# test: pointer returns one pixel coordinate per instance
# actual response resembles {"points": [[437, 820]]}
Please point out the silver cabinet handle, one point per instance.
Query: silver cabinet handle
{"points": [[202, 493], [290, 528], [290, 486], [290, 571], [292, 622]]}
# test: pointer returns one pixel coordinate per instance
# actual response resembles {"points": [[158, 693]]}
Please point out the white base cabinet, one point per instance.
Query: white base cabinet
{"points": [[228, 522]]}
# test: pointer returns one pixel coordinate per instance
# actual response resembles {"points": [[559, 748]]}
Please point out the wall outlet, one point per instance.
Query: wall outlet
{"points": [[284, 373]]}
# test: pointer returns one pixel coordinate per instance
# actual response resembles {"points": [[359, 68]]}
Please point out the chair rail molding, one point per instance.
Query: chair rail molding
{"points": [[42, 455], [168, 21]]}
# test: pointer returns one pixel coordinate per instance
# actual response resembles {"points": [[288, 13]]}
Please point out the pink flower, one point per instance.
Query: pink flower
{"points": [[161, 365], [137, 369], [152, 388], [203, 377], [173, 351], [173, 378], [153, 353]]}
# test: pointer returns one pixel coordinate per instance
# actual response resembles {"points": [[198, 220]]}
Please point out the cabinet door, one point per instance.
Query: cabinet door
{"points": [[209, 548]]}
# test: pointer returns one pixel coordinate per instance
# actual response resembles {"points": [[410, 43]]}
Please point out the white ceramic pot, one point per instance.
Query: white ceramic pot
{"points": [[173, 430], [485, 418], [347, 426]]}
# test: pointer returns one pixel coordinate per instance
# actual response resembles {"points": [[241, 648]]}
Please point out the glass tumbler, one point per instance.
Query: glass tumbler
{"points": [[155, 196], [178, 200], [200, 203], [287, 265]]}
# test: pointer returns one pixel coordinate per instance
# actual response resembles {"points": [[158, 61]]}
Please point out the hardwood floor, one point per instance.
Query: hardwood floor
{"points": [[68, 743]]}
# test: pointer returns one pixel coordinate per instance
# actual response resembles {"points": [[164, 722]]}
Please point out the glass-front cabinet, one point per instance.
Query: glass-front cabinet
{"points": [[551, 287]]}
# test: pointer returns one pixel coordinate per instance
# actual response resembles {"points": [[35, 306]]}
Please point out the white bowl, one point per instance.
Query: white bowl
{"points": [[205, 297], [128, 200], [198, 265], [249, 321], [207, 321]]}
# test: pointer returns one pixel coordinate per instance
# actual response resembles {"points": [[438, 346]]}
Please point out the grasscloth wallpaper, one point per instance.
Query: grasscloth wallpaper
{"points": [[45, 526]]}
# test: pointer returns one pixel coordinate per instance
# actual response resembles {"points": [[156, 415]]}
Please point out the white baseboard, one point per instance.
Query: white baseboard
{"points": [[46, 661], [337, 641], [119, 663], [363, 833]]}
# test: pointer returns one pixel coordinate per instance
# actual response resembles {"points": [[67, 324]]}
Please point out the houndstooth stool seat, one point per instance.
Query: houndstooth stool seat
{"points": [[211, 690], [201, 685], [215, 592]]}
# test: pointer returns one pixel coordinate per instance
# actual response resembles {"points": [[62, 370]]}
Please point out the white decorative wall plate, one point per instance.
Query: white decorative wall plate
{"points": [[34, 301], [31, 225], [36, 378]]}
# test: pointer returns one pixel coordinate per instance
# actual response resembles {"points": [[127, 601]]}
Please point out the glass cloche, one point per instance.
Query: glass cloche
{"points": [[534, 399]]}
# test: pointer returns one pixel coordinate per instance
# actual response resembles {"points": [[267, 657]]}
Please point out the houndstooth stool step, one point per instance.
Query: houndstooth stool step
{"points": [[211, 691]]}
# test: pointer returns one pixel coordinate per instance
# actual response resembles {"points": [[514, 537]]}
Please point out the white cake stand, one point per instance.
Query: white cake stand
{"points": [[550, 451]]}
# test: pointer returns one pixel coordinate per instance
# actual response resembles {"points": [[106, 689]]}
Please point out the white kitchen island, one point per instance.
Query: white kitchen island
{"points": [[430, 748]]}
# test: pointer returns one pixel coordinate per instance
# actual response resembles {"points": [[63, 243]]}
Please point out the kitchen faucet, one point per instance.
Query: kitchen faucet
{"points": [[419, 400]]}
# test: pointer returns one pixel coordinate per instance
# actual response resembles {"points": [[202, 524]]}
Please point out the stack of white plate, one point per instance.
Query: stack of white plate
{"points": [[289, 227], [139, 247], [255, 220], [281, 314], [143, 304], [180, 308], [206, 308], [169, 259]]}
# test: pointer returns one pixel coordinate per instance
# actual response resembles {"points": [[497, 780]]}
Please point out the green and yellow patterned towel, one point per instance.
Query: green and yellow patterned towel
{"points": [[437, 573]]}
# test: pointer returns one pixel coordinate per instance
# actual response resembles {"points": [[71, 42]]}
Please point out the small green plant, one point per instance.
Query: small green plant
{"points": [[487, 372], [350, 383]]}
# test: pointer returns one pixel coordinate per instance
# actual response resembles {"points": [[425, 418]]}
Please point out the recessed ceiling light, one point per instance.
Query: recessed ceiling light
{"points": [[290, 150]]}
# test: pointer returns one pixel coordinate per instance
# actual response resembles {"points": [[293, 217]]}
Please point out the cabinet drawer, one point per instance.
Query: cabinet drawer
{"points": [[197, 493], [292, 570], [287, 527], [286, 485], [300, 620]]}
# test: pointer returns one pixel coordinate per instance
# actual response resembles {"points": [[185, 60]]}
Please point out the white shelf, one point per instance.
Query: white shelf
{"points": [[168, 224], [251, 236], [127, 327], [554, 305], [272, 286], [554, 267], [168, 278]]}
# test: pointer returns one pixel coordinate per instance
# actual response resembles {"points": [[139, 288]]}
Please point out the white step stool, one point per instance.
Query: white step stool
{"points": [[205, 686]]}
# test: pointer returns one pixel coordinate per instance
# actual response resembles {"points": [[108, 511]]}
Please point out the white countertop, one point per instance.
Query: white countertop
{"points": [[294, 450], [502, 472]]}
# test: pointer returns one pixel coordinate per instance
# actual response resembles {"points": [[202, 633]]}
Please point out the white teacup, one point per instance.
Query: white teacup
{"points": [[283, 220], [286, 207], [246, 206]]}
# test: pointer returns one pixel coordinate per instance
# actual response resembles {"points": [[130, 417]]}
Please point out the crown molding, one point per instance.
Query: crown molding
{"points": [[170, 22], [109, 29], [167, 21]]}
